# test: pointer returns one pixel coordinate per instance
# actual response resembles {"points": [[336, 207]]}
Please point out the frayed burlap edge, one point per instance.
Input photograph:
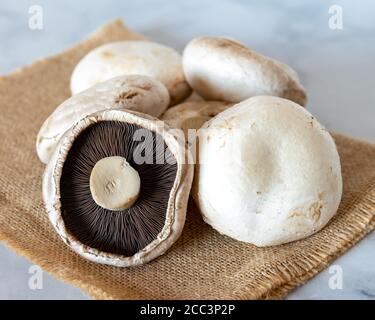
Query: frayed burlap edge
{"points": [[286, 282]]}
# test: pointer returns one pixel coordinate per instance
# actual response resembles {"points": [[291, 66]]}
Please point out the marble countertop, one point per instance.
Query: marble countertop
{"points": [[334, 57]]}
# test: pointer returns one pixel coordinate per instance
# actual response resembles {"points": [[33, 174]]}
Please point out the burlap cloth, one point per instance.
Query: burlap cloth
{"points": [[202, 264]]}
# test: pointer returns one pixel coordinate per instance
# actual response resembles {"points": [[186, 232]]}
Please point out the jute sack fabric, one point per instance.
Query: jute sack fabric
{"points": [[202, 264]]}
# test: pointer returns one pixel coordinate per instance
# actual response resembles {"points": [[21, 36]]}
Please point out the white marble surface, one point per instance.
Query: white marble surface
{"points": [[336, 66]]}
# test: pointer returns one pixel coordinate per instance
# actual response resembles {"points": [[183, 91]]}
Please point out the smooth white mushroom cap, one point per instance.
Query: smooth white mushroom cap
{"points": [[139, 93], [269, 173], [223, 69], [130, 58]]}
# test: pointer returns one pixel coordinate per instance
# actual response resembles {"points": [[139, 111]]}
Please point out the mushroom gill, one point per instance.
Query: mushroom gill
{"points": [[124, 231]]}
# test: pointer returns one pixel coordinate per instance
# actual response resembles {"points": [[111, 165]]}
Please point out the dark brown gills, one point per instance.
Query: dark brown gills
{"points": [[127, 231]]}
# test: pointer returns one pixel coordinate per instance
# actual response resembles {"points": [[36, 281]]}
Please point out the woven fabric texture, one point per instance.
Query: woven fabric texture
{"points": [[203, 264]]}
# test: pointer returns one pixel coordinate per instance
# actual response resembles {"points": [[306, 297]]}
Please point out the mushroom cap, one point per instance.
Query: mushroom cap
{"points": [[178, 199], [194, 97], [129, 58], [268, 173], [223, 69], [140, 93], [192, 115]]}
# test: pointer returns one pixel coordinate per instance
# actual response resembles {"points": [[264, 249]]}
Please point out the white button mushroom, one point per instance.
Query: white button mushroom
{"points": [[129, 58], [223, 69], [268, 172], [139, 93]]}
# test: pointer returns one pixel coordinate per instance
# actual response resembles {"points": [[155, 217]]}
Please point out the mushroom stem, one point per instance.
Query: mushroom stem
{"points": [[114, 183]]}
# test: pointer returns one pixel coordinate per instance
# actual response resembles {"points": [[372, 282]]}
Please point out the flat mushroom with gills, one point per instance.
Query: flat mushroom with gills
{"points": [[140, 93], [129, 58], [224, 69], [269, 173], [117, 186]]}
